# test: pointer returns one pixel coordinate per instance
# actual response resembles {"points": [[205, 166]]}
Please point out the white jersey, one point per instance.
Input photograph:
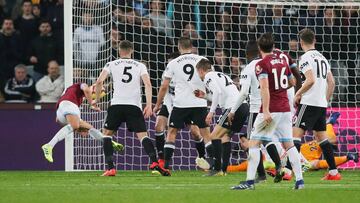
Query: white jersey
{"points": [[224, 92], [126, 74], [169, 96], [315, 61], [182, 71], [248, 77]]}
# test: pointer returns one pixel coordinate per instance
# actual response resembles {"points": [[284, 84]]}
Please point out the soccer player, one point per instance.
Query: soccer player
{"points": [[224, 93], [162, 122], [68, 115], [313, 98], [187, 107], [127, 75], [274, 118]]}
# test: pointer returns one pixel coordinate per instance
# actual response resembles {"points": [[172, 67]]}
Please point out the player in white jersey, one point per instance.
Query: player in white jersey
{"points": [[313, 98], [187, 107], [162, 123], [127, 75], [224, 93]]}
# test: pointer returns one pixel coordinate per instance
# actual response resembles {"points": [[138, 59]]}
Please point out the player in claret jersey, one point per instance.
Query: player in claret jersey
{"points": [[127, 75], [274, 118], [68, 115], [313, 98]]}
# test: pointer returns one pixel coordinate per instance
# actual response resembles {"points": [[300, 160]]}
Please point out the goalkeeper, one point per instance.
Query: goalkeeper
{"points": [[68, 115]]}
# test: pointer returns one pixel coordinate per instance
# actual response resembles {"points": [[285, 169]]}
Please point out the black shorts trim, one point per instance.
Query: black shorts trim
{"points": [[164, 111], [130, 114], [240, 118], [179, 117], [310, 118]]}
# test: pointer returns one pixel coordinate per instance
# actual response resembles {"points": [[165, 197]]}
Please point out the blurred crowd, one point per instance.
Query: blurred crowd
{"points": [[32, 34]]}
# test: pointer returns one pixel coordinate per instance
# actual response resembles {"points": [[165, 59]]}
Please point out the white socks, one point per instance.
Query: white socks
{"points": [[254, 159], [60, 135], [294, 159]]}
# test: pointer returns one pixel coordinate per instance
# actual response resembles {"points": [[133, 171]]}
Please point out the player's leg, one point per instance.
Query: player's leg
{"points": [[216, 136], [261, 133], [322, 164], [226, 152], [68, 114], [302, 121], [284, 126], [237, 168], [160, 127], [114, 118], [321, 137], [200, 147], [176, 121]]}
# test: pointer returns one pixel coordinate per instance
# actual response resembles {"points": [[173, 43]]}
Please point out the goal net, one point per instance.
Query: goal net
{"points": [[220, 31]]}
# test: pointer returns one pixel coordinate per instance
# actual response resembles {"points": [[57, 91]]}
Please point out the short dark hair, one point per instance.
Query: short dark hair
{"points": [[44, 21], [252, 48], [173, 55], [185, 43], [307, 36], [204, 64], [126, 45], [266, 42], [26, 1]]}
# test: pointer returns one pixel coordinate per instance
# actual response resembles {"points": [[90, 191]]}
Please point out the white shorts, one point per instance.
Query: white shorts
{"points": [[66, 108], [279, 129], [291, 95]]}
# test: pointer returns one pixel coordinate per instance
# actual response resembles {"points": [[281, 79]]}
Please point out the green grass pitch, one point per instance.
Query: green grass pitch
{"points": [[185, 186]]}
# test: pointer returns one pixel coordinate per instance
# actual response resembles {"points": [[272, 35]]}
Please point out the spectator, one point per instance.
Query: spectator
{"points": [[159, 20], [116, 37], [20, 88], [328, 35], [88, 41], [55, 14], [294, 49], [11, 52], [118, 15], [231, 29], [132, 25], [235, 66], [221, 62], [51, 86], [36, 11], [311, 17], [278, 24], [26, 24], [43, 49], [190, 31], [2, 10], [222, 41]]}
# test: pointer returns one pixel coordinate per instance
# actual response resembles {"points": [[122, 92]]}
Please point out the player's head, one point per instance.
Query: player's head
{"points": [[184, 45], [125, 49], [307, 39], [266, 43], [252, 50], [202, 67]]}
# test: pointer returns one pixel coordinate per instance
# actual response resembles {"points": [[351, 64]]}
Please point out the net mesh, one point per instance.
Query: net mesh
{"points": [[220, 31]]}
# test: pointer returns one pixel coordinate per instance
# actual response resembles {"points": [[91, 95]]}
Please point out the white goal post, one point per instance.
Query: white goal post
{"points": [[220, 30]]}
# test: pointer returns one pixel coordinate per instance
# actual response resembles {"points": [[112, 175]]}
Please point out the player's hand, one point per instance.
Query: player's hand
{"points": [[94, 106], [297, 100], [209, 117], [267, 117], [156, 108], [200, 94], [147, 111], [230, 118]]}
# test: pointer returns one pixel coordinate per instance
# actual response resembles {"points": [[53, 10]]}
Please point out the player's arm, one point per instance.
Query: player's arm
{"points": [[309, 82], [162, 92], [214, 88], [148, 94], [265, 96], [88, 95], [296, 73], [330, 85], [99, 83]]}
